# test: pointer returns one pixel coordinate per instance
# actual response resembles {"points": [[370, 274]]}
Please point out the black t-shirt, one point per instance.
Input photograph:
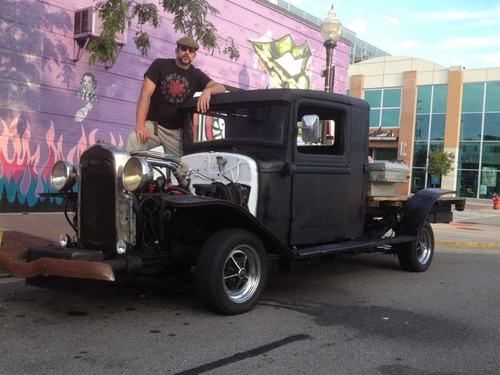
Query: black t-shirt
{"points": [[173, 87]]}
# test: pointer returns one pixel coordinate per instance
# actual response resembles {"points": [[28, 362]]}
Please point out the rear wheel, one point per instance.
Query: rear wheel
{"points": [[417, 256], [231, 271]]}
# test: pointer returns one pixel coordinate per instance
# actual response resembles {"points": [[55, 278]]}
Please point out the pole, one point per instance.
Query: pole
{"points": [[330, 70]]}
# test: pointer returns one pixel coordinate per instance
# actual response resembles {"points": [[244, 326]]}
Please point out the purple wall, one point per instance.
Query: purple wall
{"points": [[42, 118]]}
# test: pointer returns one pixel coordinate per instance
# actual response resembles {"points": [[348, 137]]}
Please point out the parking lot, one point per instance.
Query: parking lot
{"points": [[351, 315]]}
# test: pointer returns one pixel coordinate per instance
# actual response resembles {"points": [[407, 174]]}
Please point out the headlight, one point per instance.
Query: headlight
{"points": [[64, 240], [121, 247], [63, 176], [137, 174]]}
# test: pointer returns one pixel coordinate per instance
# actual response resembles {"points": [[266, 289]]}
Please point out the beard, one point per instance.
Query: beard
{"points": [[184, 60]]}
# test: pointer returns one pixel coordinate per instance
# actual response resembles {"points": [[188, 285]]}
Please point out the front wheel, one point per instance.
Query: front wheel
{"points": [[231, 271], [417, 256]]}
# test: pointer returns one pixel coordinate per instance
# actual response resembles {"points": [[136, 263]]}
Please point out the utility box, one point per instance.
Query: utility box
{"points": [[383, 176], [385, 171]]}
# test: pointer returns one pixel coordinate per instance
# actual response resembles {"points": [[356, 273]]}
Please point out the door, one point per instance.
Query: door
{"points": [[327, 190]]}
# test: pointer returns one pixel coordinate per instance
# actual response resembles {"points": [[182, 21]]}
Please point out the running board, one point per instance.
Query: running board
{"points": [[342, 247]]}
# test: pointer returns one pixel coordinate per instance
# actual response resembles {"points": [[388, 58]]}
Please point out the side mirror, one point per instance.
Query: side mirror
{"points": [[310, 129]]}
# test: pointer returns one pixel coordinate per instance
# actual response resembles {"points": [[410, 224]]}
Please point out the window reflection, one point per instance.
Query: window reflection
{"points": [[472, 98], [468, 155], [491, 127], [467, 183], [470, 126], [493, 96]]}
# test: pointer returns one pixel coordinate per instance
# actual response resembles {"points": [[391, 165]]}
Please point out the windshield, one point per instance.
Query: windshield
{"points": [[257, 123]]}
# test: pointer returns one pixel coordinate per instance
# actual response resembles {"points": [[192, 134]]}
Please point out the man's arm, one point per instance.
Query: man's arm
{"points": [[212, 88], [147, 89]]}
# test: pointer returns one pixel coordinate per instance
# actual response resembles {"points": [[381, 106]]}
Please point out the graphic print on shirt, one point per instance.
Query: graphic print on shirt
{"points": [[175, 88]]}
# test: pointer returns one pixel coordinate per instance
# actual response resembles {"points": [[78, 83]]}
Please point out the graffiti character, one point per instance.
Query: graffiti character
{"points": [[86, 92], [284, 61]]}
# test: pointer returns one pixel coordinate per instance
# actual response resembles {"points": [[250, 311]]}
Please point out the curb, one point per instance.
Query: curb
{"points": [[470, 244]]}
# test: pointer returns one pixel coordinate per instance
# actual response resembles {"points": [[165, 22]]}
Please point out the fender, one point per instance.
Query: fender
{"points": [[224, 214], [417, 208]]}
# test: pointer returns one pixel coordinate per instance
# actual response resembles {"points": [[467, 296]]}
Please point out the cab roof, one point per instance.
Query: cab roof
{"points": [[276, 95]]}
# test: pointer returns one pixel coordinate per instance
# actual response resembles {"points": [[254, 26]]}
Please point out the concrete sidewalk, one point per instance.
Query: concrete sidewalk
{"points": [[475, 227]]}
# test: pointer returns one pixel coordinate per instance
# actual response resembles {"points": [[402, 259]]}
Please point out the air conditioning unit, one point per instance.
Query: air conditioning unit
{"points": [[88, 25]]}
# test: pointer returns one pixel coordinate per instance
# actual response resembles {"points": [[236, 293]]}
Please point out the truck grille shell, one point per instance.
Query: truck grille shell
{"points": [[97, 200]]}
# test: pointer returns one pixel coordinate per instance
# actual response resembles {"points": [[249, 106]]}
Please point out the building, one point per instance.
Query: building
{"points": [[53, 104], [418, 106], [360, 49]]}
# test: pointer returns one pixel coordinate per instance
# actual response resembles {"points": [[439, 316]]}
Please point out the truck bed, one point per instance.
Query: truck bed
{"points": [[441, 212]]}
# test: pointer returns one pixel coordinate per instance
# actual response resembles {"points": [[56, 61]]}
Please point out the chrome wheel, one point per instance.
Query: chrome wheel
{"points": [[417, 256], [424, 247], [231, 271], [241, 273]]}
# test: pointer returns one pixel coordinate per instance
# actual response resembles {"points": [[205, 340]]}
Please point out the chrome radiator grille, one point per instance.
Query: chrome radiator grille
{"points": [[97, 200]]}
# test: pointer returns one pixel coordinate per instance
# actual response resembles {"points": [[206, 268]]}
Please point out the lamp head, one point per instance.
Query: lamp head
{"points": [[331, 28]]}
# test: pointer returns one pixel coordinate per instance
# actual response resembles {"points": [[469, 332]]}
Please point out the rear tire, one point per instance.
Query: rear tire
{"points": [[231, 271], [417, 256]]}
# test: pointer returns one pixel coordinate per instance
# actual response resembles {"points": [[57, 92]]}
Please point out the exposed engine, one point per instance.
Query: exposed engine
{"points": [[234, 192], [224, 175]]}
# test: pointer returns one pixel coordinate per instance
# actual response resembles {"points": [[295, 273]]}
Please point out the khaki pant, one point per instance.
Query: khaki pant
{"points": [[169, 139]]}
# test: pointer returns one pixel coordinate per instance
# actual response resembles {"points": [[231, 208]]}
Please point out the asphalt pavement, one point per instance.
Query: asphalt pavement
{"points": [[474, 228]]}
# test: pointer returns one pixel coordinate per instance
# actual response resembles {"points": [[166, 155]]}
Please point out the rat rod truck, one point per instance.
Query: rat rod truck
{"points": [[274, 175]]}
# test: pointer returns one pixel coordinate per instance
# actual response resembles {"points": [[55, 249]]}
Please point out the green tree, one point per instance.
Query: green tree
{"points": [[440, 163], [190, 18]]}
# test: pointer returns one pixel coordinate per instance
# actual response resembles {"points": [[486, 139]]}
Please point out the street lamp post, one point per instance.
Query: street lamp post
{"points": [[331, 29]]}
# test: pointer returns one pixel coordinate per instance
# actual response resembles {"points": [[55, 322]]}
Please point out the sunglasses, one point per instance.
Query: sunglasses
{"points": [[186, 48]]}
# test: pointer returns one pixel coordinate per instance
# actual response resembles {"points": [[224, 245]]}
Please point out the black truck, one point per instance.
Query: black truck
{"points": [[274, 176]]}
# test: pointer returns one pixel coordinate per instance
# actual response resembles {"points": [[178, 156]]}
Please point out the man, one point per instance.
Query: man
{"points": [[167, 84]]}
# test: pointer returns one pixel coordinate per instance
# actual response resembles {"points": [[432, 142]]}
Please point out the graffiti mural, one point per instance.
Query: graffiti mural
{"points": [[86, 92], [26, 164], [284, 61]]}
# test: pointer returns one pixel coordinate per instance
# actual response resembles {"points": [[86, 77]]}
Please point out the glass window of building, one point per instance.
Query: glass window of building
{"points": [[491, 127], [429, 132], [472, 97], [479, 150], [417, 179], [437, 128], [468, 155], [493, 96], [385, 107], [374, 98], [392, 98], [470, 126], [439, 98], [420, 154], [467, 183], [424, 99], [374, 118], [422, 127], [384, 153]]}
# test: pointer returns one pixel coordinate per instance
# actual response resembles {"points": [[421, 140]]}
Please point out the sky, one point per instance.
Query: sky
{"points": [[446, 32]]}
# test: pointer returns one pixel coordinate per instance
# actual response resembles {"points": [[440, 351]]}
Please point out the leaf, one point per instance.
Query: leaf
{"points": [[440, 163], [190, 18]]}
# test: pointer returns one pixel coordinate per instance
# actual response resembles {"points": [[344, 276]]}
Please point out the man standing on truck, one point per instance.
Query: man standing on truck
{"points": [[167, 84]]}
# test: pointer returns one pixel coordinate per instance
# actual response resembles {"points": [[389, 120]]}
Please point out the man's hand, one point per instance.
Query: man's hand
{"points": [[143, 134], [204, 101]]}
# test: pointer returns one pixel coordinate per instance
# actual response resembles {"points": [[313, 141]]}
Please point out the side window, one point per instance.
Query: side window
{"points": [[320, 130]]}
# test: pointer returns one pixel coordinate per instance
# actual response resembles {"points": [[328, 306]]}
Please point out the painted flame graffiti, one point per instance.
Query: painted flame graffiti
{"points": [[26, 163]]}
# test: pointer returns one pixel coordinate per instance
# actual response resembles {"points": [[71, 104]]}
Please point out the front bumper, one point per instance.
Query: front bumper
{"points": [[50, 261]]}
